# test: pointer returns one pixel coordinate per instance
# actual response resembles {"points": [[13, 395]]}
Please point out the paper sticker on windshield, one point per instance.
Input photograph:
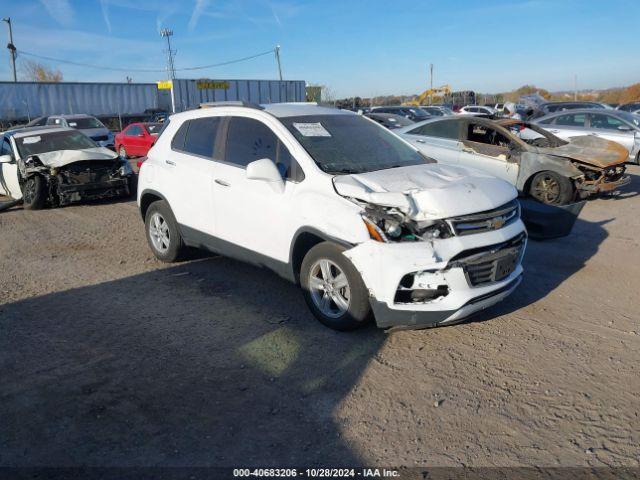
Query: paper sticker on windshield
{"points": [[30, 140], [311, 129]]}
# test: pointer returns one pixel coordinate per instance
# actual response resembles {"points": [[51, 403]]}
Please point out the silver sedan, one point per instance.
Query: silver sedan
{"points": [[616, 125]]}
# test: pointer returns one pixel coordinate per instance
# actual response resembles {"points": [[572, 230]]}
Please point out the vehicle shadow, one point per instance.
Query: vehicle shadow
{"points": [[208, 363], [548, 263]]}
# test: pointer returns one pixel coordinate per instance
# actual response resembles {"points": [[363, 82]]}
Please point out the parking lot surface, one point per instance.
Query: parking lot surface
{"points": [[109, 357]]}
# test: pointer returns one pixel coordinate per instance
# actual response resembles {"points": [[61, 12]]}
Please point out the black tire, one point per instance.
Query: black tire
{"points": [[34, 192], [551, 188], [176, 248], [359, 309], [123, 152]]}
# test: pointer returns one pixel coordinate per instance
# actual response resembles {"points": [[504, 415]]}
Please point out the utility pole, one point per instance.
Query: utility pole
{"points": [[575, 87], [277, 50], [167, 33], [12, 49]]}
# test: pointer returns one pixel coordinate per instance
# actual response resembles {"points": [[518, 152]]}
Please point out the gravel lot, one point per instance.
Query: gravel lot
{"points": [[108, 357]]}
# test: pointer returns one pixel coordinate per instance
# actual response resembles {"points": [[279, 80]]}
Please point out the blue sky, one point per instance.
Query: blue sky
{"points": [[354, 47]]}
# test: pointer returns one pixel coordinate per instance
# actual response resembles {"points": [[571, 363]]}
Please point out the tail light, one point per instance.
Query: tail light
{"points": [[140, 161]]}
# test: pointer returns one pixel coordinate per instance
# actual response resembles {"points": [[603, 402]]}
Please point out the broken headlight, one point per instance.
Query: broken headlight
{"points": [[390, 225]]}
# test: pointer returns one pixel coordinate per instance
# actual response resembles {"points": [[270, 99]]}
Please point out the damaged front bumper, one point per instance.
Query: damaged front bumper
{"points": [[71, 193], [604, 185], [426, 284]]}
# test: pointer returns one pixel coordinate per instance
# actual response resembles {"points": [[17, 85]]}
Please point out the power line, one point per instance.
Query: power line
{"points": [[143, 70]]}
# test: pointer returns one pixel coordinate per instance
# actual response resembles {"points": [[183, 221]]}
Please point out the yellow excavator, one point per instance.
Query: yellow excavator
{"points": [[422, 98]]}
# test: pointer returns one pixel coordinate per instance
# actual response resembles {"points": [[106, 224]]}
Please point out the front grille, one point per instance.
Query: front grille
{"points": [[486, 265], [100, 138], [485, 221]]}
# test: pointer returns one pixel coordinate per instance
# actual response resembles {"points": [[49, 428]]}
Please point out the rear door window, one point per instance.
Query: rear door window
{"points": [[571, 120], [199, 136]]}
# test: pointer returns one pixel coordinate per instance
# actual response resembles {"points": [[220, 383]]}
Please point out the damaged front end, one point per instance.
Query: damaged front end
{"points": [[600, 180], [72, 182], [436, 253]]}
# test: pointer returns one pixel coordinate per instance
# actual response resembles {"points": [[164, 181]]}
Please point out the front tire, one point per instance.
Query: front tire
{"points": [[122, 152], [333, 288], [162, 232], [34, 192], [551, 188]]}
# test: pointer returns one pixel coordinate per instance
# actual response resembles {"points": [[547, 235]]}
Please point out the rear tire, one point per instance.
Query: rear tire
{"points": [[162, 232], [34, 192], [551, 188], [333, 288]]}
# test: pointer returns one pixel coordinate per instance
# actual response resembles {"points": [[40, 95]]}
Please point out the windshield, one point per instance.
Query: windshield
{"points": [[631, 118], [351, 144], [84, 123], [51, 142], [154, 128]]}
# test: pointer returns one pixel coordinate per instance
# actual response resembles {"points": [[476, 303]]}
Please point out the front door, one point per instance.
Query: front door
{"points": [[608, 127], [489, 150], [252, 214]]}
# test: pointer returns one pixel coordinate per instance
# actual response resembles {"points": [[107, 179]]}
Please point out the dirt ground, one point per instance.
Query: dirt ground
{"points": [[108, 357]]}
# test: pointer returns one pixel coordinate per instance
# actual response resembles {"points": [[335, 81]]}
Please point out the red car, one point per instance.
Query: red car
{"points": [[137, 139]]}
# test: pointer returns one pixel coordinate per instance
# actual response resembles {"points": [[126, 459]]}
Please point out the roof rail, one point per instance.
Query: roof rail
{"points": [[236, 103]]}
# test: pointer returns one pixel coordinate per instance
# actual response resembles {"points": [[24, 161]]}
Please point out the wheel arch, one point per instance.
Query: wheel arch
{"points": [[147, 197], [304, 240]]}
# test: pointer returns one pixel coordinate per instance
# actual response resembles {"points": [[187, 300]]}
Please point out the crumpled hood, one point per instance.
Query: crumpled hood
{"points": [[428, 192], [60, 158], [591, 150]]}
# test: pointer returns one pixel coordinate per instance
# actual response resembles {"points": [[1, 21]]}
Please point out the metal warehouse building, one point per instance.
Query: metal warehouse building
{"points": [[21, 101]]}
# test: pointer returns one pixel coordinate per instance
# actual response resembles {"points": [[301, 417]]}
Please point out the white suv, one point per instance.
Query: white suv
{"points": [[334, 202]]}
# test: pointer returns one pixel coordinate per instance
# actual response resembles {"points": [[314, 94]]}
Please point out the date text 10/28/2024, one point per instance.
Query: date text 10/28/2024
{"points": [[316, 473]]}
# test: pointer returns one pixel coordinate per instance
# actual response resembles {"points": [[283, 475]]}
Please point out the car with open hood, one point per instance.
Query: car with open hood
{"points": [[337, 204], [541, 165], [58, 166]]}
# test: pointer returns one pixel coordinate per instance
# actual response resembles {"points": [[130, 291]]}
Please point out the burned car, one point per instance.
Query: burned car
{"points": [[58, 166], [541, 165]]}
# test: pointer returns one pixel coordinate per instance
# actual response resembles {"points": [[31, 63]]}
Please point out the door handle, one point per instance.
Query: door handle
{"points": [[420, 141], [222, 182], [169, 162], [554, 131], [468, 150]]}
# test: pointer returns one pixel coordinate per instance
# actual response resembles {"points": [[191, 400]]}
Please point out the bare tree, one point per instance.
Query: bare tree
{"points": [[37, 72]]}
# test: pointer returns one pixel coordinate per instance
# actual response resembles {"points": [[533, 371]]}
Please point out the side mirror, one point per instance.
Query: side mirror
{"points": [[6, 158], [266, 171], [624, 128]]}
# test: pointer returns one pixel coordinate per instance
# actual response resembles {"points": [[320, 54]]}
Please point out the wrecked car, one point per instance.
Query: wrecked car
{"points": [[332, 201], [551, 170], [57, 166]]}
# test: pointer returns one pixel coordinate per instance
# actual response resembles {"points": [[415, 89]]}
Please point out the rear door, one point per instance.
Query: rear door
{"points": [[439, 140], [251, 214], [567, 125], [488, 149], [608, 127], [189, 173]]}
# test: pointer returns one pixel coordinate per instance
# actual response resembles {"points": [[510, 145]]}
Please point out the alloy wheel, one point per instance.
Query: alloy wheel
{"points": [[329, 288], [159, 233], [547, 189]]}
